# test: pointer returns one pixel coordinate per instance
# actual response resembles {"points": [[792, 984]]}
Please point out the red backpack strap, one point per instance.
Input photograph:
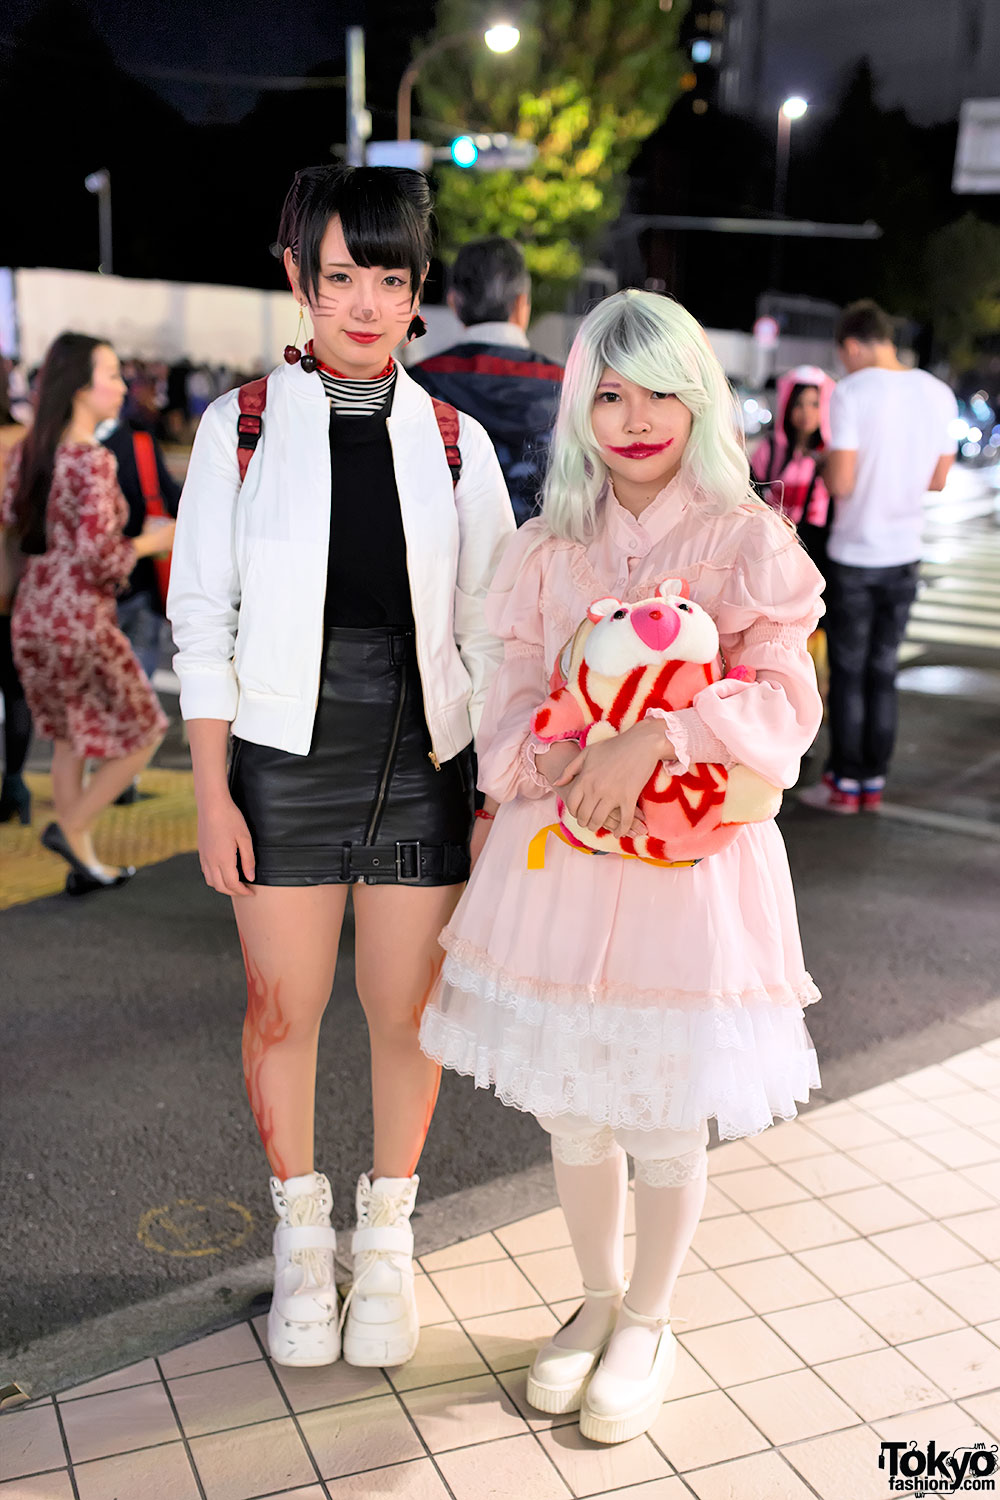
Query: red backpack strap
{"points": [[253, 399], [145, 466], [447, 420]]}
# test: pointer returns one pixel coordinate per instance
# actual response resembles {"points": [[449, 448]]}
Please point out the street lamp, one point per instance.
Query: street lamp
{"points": [[499, 38], [100, 183], [792, 109], [502, 38]]}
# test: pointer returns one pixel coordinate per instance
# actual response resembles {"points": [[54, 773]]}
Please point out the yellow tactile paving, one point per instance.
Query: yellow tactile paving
{"points": [[161, 824]]}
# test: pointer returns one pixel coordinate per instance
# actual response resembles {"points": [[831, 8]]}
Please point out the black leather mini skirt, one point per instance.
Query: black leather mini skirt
{"points": [[366, 803]]}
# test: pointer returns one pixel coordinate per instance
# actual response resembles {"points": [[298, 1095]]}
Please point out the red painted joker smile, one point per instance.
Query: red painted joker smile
{"points": [[640, 450]]}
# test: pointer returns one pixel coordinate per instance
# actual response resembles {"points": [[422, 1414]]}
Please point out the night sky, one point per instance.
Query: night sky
{"points": [[926, 54], [199, 168], [221, 37]]}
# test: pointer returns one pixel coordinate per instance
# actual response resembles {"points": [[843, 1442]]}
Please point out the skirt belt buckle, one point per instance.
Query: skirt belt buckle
{"points": [[408, 861]]}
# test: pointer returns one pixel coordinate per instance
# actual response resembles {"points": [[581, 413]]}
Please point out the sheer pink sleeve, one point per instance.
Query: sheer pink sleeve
{"points": [[505, 744], [770, 607]]}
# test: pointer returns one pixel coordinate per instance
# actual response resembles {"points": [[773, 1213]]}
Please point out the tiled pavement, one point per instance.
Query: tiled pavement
{"points": [[843, 1289]]}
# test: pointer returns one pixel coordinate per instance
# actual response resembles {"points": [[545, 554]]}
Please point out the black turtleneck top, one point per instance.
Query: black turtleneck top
{"points": [[367, 580]]}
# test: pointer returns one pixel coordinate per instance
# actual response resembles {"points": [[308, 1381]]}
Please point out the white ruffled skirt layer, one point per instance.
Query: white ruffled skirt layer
{"points": [[637, 997]]}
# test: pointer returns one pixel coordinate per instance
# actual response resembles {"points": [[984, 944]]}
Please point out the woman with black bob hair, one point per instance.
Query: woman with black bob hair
{"points": [[328, 614]]}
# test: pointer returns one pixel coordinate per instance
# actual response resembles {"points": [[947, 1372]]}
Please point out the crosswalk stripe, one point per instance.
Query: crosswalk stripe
{"points": [[959, 600], [952, 635], [987, 604], [927, 608], [962, 564], [946, 583]]}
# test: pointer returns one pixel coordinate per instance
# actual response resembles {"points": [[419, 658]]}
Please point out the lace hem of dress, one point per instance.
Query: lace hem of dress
{"points": [[659, 1068], [673, 1171], [582, 1007]]}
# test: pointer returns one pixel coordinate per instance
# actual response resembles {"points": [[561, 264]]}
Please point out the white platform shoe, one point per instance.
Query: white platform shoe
{"points": [[380, 1310], [559, 1376], [303, 1326], [617, 1407]]}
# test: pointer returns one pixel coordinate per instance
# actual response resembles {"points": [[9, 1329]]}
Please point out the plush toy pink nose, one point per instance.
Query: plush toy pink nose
{"points": [[656, 625]]}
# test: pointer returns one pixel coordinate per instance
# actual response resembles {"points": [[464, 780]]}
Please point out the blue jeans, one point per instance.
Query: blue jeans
{"points": [[140, 623], [867, 611]]}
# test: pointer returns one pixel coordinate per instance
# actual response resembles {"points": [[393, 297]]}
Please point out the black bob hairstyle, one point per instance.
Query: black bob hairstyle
{"points": [[385, 213]]}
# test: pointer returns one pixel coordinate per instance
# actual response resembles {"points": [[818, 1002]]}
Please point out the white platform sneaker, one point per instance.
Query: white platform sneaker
{"points": [[559, 1376], [302, 1325], [380, 1310], [618, 1407]]}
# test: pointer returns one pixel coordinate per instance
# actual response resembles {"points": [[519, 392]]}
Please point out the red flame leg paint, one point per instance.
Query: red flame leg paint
{"points": [[264, 1027]]}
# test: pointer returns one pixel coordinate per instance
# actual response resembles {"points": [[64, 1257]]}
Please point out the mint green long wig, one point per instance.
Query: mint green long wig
{"points": [[656, 343]]}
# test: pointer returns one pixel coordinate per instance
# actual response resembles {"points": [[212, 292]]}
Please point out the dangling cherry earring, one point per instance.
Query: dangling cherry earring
{"points": [[292, 351], [309, 360], [417, 328]]}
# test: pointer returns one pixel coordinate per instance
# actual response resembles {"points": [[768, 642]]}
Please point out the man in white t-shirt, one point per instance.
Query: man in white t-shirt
{"points": [[890, 444]]}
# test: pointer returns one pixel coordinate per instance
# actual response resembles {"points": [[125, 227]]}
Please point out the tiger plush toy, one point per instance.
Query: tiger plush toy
{"points": [[624, 660]]}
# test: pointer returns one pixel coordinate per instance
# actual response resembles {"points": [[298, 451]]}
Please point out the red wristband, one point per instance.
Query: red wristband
{"points": [[482, 813]]}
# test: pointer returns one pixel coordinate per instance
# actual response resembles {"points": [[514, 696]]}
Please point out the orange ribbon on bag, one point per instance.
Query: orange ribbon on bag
{"points": [[536, 851]]}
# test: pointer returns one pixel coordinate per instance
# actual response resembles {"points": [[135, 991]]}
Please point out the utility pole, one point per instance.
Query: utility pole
{"points": [[359, 121]]}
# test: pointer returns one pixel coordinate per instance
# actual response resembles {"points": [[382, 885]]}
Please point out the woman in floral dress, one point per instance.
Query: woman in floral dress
{"points": [[86, 690]]}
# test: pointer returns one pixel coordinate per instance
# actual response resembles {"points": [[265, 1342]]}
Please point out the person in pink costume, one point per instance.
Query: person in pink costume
{"points": [[790, 459], [622, 1003]]}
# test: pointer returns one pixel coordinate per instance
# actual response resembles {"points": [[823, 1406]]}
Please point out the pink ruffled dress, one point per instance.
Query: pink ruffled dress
{"points": [[607, 988]]}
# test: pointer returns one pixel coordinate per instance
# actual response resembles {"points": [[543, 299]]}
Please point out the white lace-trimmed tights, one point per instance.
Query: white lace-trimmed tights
{"points": [[592, 1177]]}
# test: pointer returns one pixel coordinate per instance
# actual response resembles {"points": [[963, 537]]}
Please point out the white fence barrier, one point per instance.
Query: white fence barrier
{"points": [[245, 329]]}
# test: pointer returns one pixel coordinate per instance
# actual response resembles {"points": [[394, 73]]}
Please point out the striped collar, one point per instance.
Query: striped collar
{"points": [[349, 397], [358, 398]]}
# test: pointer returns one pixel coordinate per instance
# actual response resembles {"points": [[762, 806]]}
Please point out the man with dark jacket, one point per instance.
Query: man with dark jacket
{"points": [[492, 373]]}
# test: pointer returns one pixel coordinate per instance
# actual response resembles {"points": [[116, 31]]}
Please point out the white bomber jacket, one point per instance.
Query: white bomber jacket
{"points": [[248, 576]]}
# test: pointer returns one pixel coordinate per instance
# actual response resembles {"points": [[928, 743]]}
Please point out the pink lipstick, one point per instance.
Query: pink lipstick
{"points": [[640, 450]]}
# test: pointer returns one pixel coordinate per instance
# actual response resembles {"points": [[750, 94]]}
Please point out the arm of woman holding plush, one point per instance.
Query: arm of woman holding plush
{"points": [[769, 608], [763, 719], [512, 763]]}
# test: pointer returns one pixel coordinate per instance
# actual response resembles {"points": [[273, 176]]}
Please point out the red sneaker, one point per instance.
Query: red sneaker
{"points": [[831, 795], [871, 795]]}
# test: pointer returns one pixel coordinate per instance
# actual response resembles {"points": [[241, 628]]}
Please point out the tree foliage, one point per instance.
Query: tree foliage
{"points": [[587, 84], [962, 269]]}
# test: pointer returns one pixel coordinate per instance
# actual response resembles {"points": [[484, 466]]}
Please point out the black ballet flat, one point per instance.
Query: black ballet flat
{"points": [[81, 878], [55, 840], [15, 801], [83, 885]]}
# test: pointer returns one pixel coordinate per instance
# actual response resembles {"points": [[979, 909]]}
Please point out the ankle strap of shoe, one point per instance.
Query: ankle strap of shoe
{"points": [[646, 1321], [615, 1291], [385, 1239], [293, 1237]]}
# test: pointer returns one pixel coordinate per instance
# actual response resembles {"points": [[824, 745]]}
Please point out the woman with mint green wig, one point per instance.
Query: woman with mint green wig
{"points": [[625, 1003]]}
